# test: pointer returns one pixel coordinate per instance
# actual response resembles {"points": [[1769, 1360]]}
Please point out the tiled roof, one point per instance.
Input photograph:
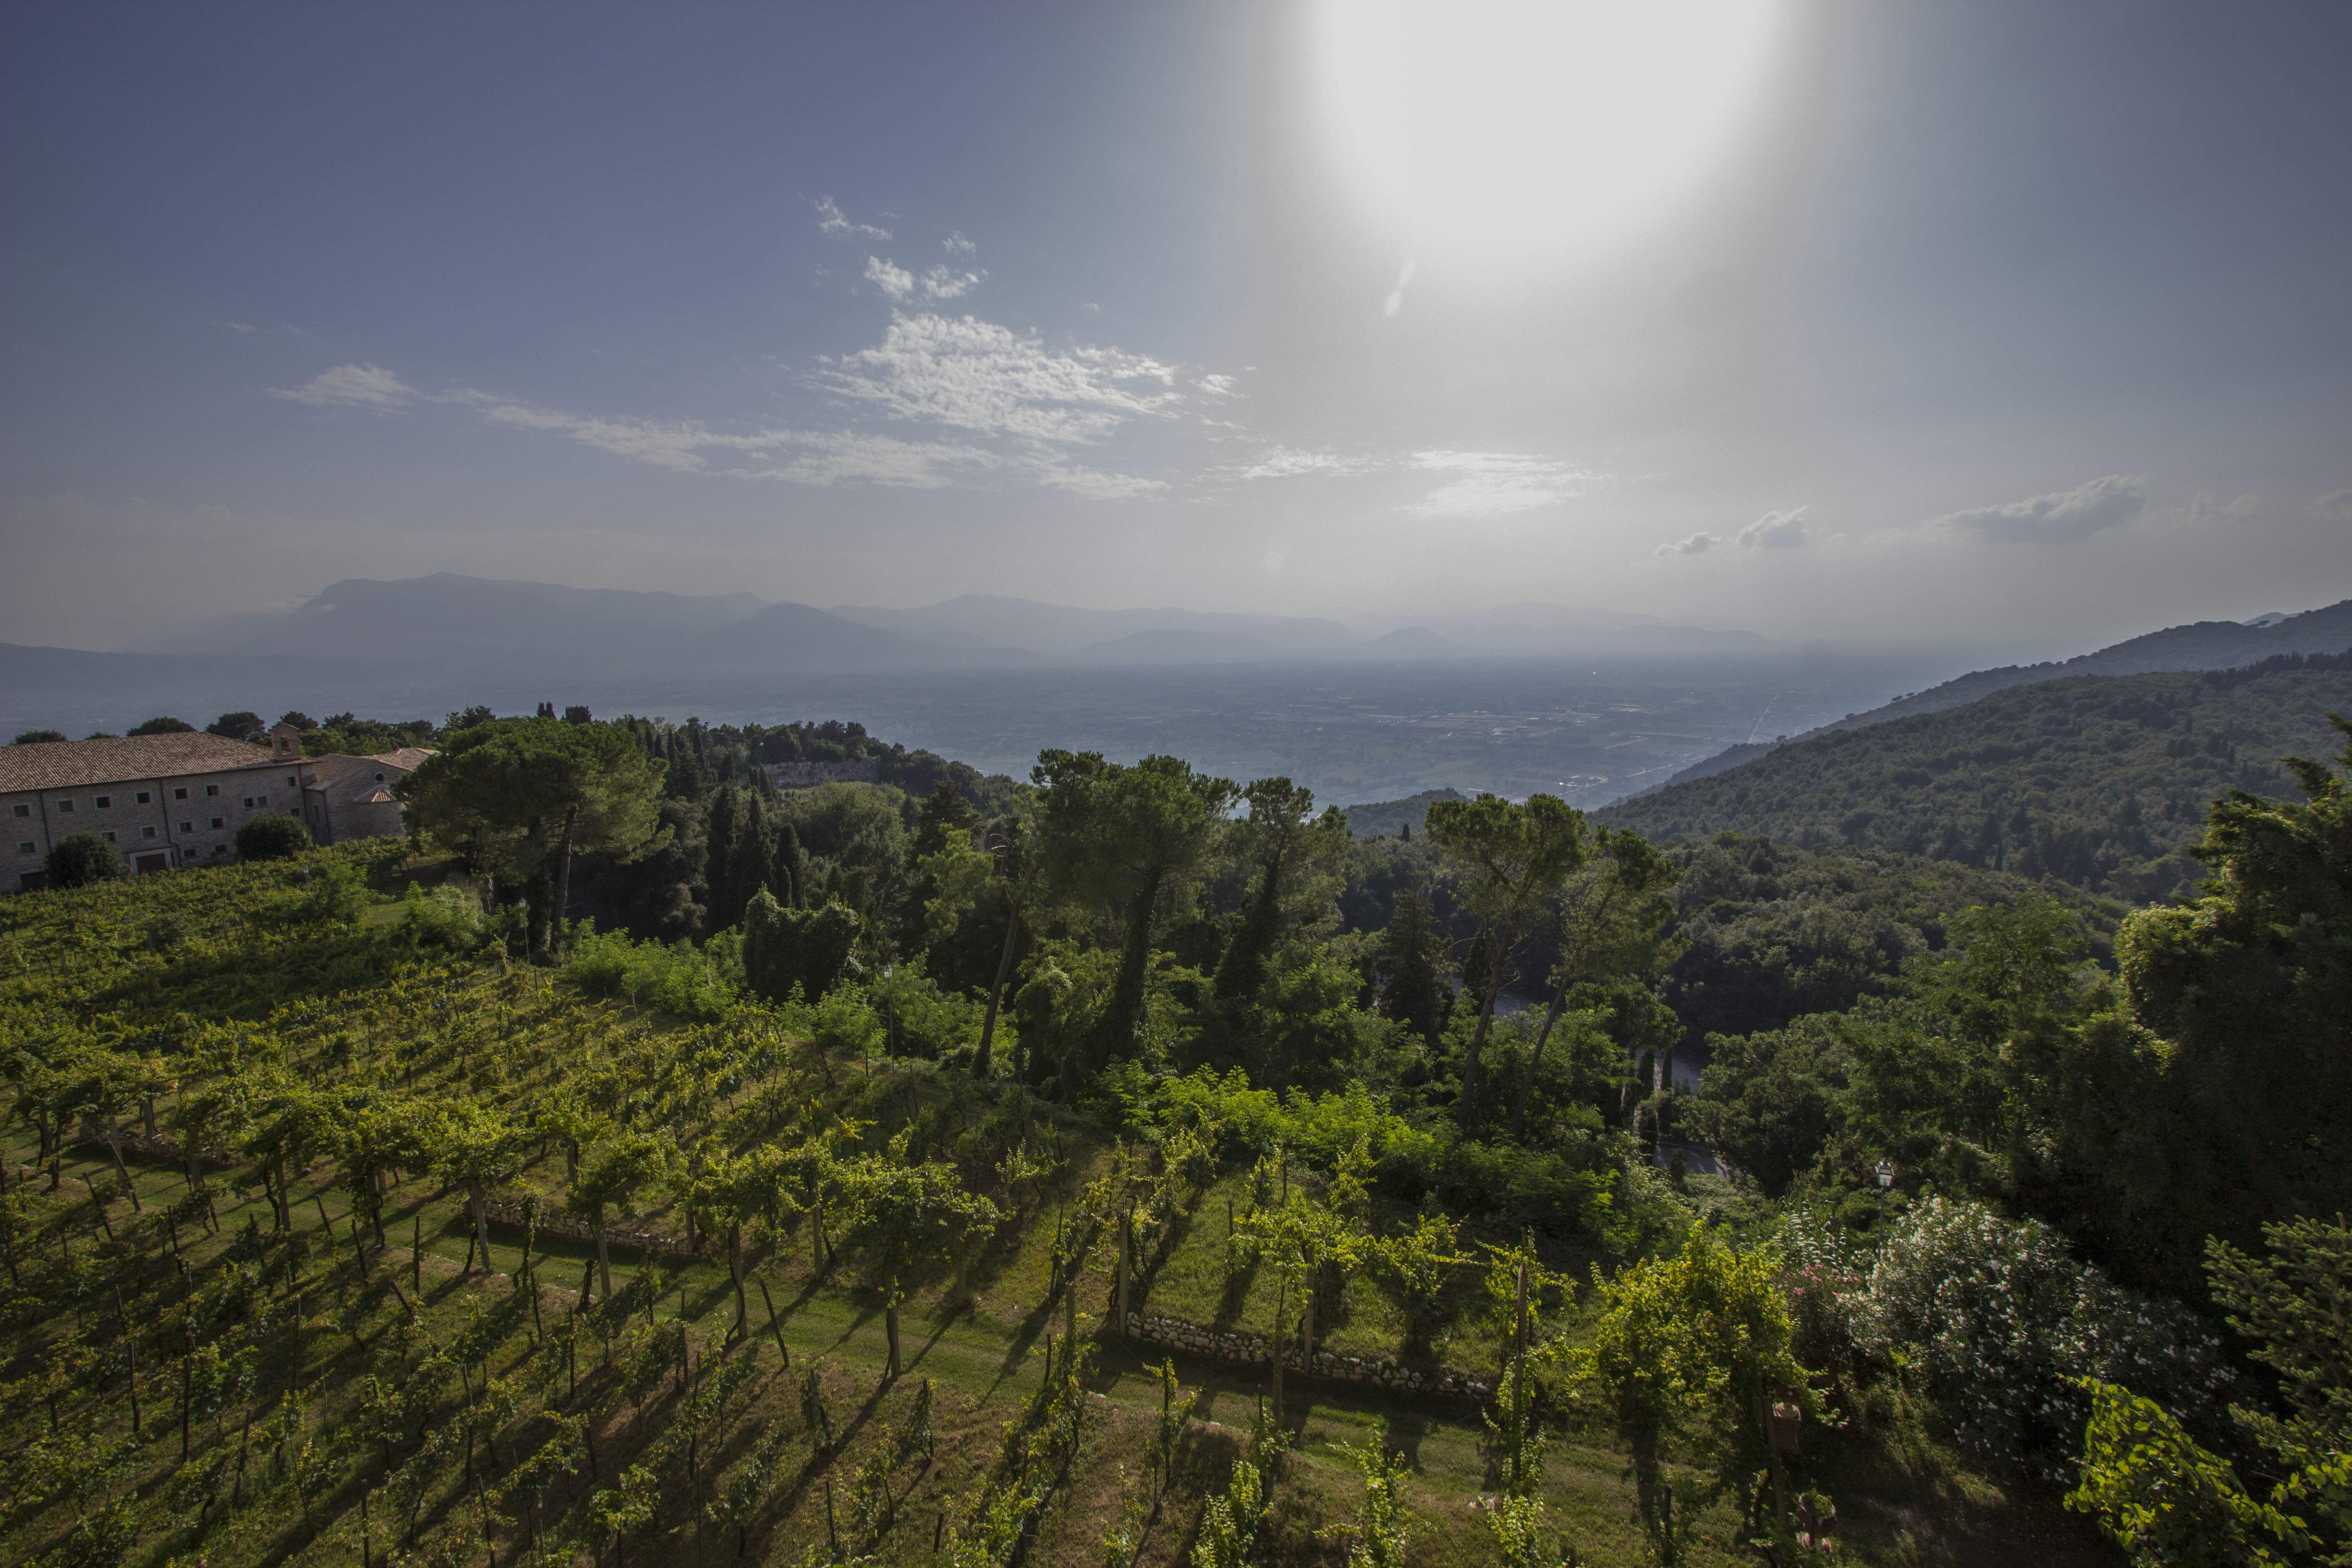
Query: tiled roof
{"points": [[68, 764], [337, 769]]}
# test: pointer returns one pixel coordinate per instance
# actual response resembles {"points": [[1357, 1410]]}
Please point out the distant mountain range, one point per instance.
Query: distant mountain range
{"points": [[532, 628]]}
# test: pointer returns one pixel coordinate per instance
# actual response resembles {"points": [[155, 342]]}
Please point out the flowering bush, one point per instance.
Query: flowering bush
{"points": [[1999, 1322]]}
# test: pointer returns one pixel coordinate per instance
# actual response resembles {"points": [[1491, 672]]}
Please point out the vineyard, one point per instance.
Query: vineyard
{"points": [[335, 1235]]}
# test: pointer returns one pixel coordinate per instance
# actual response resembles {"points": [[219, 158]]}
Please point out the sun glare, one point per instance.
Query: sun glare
{"points": [[1511, 133]]}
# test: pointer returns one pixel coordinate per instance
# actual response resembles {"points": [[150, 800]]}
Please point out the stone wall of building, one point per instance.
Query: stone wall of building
{"points": [[807, 775]]}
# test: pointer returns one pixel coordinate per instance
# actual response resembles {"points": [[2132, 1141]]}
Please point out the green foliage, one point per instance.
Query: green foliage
{"points": [[1697, 1345], [2001, 1323], [1379, 1536], [1770, 932], [79, 859], [2099, 781], [1122, 837], [2167, 1501], [272, 836], [791, 952], [523, 795], [2212, 1103], [38, 737], [244, 725], [679, 979], [165, 725]]}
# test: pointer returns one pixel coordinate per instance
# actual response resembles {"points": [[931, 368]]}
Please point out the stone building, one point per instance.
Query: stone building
{"points": [[164, 800], [351, 798]]}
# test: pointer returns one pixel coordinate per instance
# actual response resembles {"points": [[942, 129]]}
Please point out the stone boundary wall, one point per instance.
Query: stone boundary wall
{"points": [[807, 775], [162, 1147], [1246, 1349], [552, 1222]]}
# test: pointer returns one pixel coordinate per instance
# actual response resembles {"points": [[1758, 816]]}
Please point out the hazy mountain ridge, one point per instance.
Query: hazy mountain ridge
{"points": [[2098, 781], [2200, 644], [543, 626]]}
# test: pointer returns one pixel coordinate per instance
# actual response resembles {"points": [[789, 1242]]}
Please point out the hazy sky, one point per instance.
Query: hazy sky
{"points": [[1878, 321]]}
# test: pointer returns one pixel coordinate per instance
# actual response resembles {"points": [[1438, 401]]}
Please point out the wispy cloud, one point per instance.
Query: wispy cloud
{"points": [[351, 386], [944, 283], [976, 375], [896, 282], [1773, 531], [1289, 462], [1776, 530], [2334, 503], [936, 283], [831, 220], [957, 245], [2061, 517], [1496, 484], [800, 457]]}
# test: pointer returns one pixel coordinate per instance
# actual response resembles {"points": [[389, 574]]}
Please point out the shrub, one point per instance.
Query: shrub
{"points": [[786, 950], [677, 980], [919, 1019], [80, 858], [165, 725], [447, 917], [273, 835], [846, 1022], [2001, 1323]]}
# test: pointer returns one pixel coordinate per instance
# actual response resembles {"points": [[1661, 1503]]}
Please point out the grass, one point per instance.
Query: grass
{"points": [[1903, 1498]]}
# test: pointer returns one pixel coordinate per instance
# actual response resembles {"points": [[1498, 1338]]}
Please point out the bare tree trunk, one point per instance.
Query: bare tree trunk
{"points": [[996, 993], [1534, 1059], [1497, 954], [481, 1222], [1281, 1301], [114, 1147], [562, 880], [735, 1272]]}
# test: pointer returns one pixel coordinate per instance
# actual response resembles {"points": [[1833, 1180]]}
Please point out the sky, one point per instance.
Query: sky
{"points": [[1871, 323]]}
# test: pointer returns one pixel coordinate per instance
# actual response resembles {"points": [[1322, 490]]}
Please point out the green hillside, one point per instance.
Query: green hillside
{"points": [[247, 1318], [2098, 782]]}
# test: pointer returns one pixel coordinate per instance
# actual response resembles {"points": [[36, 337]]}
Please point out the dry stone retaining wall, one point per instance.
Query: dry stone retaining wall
{"points": [[1250, 1350]]}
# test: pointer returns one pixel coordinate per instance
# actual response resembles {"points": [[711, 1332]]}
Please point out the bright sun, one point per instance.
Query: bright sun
{"points": [[1516, 133]]}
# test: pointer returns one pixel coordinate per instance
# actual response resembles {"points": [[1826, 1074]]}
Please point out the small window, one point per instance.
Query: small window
{"points": [[110, 837], [248, 803], [187, 827], [218, 823], [220, 848], [180, 794], [23, 809], [26, 847], [146, 833], [65, 806], [144, 798], [264, 800], [102, 802], [290, 780], [212, 789], [379, 778]]}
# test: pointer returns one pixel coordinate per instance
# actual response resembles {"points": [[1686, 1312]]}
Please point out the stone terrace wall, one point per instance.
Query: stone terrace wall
{"points": [[1250, 1350]]}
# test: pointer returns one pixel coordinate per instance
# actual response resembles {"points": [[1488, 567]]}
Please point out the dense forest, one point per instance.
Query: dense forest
{"points": [[1128, 1166], [2098, 782]]}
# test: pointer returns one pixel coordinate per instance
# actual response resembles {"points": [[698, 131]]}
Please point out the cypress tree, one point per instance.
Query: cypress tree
{"points": [[723, 838], [1413, 961]]}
